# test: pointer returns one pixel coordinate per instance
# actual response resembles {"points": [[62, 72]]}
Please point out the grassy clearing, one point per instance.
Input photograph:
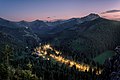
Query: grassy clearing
{"points": [[102, 57]]}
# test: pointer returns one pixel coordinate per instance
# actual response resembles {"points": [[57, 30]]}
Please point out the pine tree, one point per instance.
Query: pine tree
{"points": [[7, 53]]}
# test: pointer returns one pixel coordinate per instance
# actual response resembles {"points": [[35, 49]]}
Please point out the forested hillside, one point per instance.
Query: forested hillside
{"points": [[92, 37]]}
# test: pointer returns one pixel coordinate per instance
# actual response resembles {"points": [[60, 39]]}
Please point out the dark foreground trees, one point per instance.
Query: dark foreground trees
{"points": [[9, 72], [31, 67], [111, 69]]}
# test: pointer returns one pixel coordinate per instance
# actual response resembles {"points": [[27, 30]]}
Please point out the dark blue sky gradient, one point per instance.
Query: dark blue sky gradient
{"points": [[55, 9]]}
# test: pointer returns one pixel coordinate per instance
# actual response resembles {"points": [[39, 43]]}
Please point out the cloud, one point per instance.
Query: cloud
{"points": [[116, 15], [110, 11]]}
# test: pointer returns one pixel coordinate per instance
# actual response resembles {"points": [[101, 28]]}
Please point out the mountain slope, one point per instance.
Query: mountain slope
{"points": [[21, 35], [91, 37], [74, 21], [89, 34]]}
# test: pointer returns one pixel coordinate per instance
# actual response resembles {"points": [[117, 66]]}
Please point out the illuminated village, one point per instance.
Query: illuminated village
{"points": [[42, 52]]}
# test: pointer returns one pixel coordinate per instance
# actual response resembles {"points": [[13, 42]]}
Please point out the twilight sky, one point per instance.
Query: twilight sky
{"points": [[30, 10]]}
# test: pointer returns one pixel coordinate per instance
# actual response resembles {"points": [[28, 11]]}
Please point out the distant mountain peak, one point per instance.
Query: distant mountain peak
{"points": [[37, 20], [91, 16], [3, 19], [23, 21]]}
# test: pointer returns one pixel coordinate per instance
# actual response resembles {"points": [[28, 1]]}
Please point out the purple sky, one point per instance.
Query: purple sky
{"points": [[29, 10]]}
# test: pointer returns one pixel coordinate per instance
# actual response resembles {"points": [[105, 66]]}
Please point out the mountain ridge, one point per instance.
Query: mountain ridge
{"points": [[93, 14]]}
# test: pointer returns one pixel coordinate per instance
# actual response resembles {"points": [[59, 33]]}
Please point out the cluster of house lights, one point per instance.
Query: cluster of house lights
{"points": [[42, 52]]}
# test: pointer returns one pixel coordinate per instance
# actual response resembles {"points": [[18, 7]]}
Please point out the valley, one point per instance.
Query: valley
{"points": [[77, 48], [45, 55]]}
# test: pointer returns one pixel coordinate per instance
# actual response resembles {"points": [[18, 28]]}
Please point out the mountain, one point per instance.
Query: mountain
{"points": [[80, 40], [74, 32], [23, 23], [5, 22], [42, 27], [7, 39], [90, 17], [20, 35], [73, 21], [90, 37]]}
